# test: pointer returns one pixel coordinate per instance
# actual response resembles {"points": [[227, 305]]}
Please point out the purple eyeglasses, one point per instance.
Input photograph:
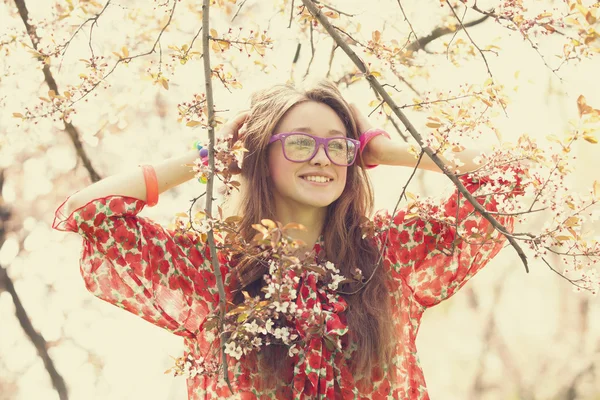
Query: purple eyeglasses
{"points": [[300, 147]]}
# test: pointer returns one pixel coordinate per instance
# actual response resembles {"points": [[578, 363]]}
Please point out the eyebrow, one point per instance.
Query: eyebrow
{"points": [[308, 130]]}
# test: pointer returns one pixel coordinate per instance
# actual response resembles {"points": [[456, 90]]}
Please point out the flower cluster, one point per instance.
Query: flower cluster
{"points": [[190, 367], [228, 162], [270, 319]]}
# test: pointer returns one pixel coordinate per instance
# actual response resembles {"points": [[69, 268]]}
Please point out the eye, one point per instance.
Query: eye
{"points": [[301, 141]]}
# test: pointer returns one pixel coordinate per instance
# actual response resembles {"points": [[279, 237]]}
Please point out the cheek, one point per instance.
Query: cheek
{"points": [[280, 169], [342, 176]]}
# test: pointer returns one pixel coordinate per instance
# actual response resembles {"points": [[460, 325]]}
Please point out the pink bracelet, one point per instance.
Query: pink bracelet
{"points": [[151, 185], [366, 136]]}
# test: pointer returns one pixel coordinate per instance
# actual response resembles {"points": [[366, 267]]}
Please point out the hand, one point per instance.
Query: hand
{"points": [[234, 128], [362, 122]]}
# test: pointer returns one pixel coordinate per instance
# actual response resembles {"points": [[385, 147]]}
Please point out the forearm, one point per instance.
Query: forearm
{"points": [[383, 151], [169, 173]]}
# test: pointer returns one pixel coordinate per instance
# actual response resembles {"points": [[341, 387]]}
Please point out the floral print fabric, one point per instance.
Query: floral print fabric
{"points": [[166, 278]]}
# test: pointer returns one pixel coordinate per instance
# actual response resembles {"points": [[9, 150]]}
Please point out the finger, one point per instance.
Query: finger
{"points": [[236, 123]]}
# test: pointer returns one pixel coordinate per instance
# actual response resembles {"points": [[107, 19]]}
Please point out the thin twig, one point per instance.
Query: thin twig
{"points": [[334, 9], [312, 52], [524, 34], [238, 10], [410, 25], [291, 15], [210, 183], [128, 59], [192, 43], [470, 38], [409, 126]]}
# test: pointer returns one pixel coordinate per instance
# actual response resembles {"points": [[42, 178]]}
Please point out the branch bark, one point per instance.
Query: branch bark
{"points": [[323, 20], [37, 340], [437, 33], [210, 181]]}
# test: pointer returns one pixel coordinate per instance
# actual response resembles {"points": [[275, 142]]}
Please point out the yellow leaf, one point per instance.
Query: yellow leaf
{"points": [[597, 190], [125, 51], [193, 123], [572, 21], [433, 125], [553, 138], [590, 138], [17, 115], [572, 221], [51, 93], [165, 83], [376, 35], [268, 223], [213, 32], [486, 102], [582, 105], [260, 228], [386, 109], [181, 214], [563, 238]]}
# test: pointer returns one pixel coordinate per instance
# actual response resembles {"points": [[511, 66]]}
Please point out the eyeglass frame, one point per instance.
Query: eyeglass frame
{"points": [[319, 141]]}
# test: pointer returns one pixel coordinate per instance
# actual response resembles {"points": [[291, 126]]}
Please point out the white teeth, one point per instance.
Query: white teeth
{"points": [[320, 179]]}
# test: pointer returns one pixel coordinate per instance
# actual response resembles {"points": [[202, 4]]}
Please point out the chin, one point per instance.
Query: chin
{"points": [[320, 203]]}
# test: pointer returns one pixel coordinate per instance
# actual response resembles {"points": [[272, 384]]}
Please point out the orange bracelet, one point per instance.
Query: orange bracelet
{"points": [[151, 185]]}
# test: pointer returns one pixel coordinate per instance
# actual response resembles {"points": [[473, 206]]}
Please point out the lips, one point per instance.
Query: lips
{"points": [[320, 173], [318, 183]]}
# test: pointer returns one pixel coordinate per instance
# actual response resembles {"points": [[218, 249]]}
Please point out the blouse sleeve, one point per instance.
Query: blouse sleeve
{"points": [[136, 264], [437, 250]]}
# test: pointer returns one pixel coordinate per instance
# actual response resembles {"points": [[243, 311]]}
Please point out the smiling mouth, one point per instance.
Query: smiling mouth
{"points": [[320, 180]]}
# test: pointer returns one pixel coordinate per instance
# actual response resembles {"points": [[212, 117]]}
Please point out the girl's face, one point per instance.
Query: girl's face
{"points": [[289, 178]]}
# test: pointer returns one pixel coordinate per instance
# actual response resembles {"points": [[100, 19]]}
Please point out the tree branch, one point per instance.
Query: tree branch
{"points": [[210, 182], [439, 32], [72, 131], [37, 339], [415, 134]]}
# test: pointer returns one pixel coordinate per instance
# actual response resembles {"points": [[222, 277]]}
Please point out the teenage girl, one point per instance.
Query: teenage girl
{"points": [[307, 155]]}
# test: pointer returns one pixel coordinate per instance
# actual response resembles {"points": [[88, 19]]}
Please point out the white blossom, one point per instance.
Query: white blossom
{"points": [[269, 325], [293, 350]]}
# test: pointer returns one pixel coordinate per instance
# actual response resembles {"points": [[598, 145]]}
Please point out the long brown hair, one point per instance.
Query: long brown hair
{"points": [[369, 311]]}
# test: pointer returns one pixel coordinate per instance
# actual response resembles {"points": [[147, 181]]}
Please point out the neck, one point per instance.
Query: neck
{"points": [[312, 218]]}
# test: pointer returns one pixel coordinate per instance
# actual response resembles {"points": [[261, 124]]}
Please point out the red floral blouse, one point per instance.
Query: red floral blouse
{"points": [[166, 278]]}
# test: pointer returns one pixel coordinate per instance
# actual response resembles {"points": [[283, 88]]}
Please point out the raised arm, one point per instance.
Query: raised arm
{"points": [[169, 173], [134, 263]]}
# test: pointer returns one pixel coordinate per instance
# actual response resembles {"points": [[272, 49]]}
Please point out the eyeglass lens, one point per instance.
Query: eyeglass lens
{"points": [[302, 148]]}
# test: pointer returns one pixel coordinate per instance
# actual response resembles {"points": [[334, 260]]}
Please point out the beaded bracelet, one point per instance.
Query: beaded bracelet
{"points": [[203, 153]]}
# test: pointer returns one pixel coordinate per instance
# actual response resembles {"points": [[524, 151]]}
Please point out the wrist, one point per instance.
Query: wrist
{"points": [[372, 146]]}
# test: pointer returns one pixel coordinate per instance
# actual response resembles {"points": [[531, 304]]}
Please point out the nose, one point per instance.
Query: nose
{"points": [[320, 158]]}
